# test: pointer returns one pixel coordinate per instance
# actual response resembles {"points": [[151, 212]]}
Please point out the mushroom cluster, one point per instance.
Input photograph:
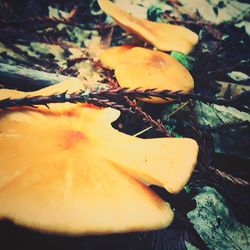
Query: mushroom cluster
{"points": [[136, 67], [67, 170]]}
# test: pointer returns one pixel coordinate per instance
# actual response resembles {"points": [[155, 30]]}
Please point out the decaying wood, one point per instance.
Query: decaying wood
{"points": [[27, 79]]}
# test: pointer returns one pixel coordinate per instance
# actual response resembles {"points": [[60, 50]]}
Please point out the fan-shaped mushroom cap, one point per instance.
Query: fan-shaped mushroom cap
{"points": [[163, 36], [145, 68], [55, 178], [66, 170]]}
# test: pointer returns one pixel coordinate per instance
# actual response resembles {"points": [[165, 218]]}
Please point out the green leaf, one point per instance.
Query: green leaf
{"points": [[154, 13], [186, 61]]}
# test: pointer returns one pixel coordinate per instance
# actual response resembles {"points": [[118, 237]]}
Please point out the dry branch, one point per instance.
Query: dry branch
{"points": [[25, 78]]}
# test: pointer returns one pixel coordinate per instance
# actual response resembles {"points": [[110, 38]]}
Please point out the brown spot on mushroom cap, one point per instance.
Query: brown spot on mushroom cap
{"points": [[163, 36], [71, 138]]}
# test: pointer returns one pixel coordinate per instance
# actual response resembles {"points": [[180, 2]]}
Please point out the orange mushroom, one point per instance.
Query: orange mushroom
{"points": [[66, 170], [111, 57], [166, 37], [144, 68]]}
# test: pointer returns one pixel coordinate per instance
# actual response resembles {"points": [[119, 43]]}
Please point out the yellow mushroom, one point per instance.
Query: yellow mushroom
{"points": [[66, 170], [166, 37], [144, 68]]}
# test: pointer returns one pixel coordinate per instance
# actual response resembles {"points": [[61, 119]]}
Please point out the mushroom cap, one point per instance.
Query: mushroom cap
{"points": [[66, 170], [166, 37], [111, 56], [54, 176], [147, 69]]}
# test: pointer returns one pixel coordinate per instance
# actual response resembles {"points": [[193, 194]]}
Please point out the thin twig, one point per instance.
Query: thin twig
{"points": [[112, 94], [178, 96], [157, 124], [178, 109], [142, 131], [233, 179], [147, 118]]}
